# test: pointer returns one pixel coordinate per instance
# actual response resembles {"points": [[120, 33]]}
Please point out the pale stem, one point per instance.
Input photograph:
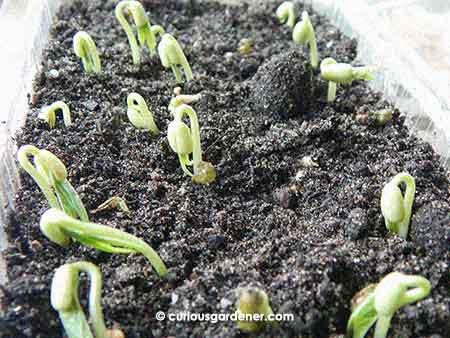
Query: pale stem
{"points": [[195, 132], [331, 91], [129, 32], [41, 181], [408, 201]]}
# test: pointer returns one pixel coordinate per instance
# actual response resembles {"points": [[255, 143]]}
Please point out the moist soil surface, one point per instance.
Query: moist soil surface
{"points": [[309, 233]]}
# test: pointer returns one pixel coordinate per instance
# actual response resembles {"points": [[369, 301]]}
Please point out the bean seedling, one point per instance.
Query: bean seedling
{"points": [[253, 302], [172, 56], [286, 13], [139, 114], [49, 114], [50, 174], [86, 49], [379, 303], [180, 99], [145, 32], [64, 299], [61, 228], [395, 207], [343, 73], [184, 141], [303, 33]]}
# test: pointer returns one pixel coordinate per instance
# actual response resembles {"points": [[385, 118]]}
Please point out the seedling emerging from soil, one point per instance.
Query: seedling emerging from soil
{"points": [[139, 114], [181, 99], [184, 141], [60, 228], [172, 56], [303, 33], [379, 303], [286, 13], [50, 174], [397, 208], [343, 73], [145, 32], [86, 49], [64, 299], [245, 46], [114, 202], [253, 302], [383, 116], [49, 114]]}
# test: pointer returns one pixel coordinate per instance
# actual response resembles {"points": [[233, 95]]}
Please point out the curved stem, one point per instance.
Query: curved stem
{"points": [[187, 70], [65, 111], [286, 13], [64, 299], [129, 32], [195, 132], [90, 233], [157, 29], [95, 292], [408, 201], [177, 73], [420, 288], [382, 326], [42, 181], [184, 161]]}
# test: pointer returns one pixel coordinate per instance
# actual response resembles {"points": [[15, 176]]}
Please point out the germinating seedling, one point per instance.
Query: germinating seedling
{"points": [[64, 299], [114, 202], [182, 99], [139, 114], [286, 13], [380, 303], [50, 174], [49, 114], [172, 56], [245, 46], [253, 301], [397, 208], [86, 49], [60, 228], [184, 141], [343, 73], [303, 33], [145, 32]]}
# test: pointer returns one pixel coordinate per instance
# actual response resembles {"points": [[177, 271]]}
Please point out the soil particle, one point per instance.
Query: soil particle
{"points": [[357, 224], [286, 198], [429, 227], [283, 86]]}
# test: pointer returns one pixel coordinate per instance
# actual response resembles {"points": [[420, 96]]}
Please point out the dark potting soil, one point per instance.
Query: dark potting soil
{"points": [[309, 232]]}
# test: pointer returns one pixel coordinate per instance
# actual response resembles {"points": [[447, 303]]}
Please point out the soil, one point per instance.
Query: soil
{"points": [[309, 231]]}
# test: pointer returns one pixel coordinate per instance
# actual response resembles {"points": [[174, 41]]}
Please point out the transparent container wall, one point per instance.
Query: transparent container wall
{"points": [[407, 40]]}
